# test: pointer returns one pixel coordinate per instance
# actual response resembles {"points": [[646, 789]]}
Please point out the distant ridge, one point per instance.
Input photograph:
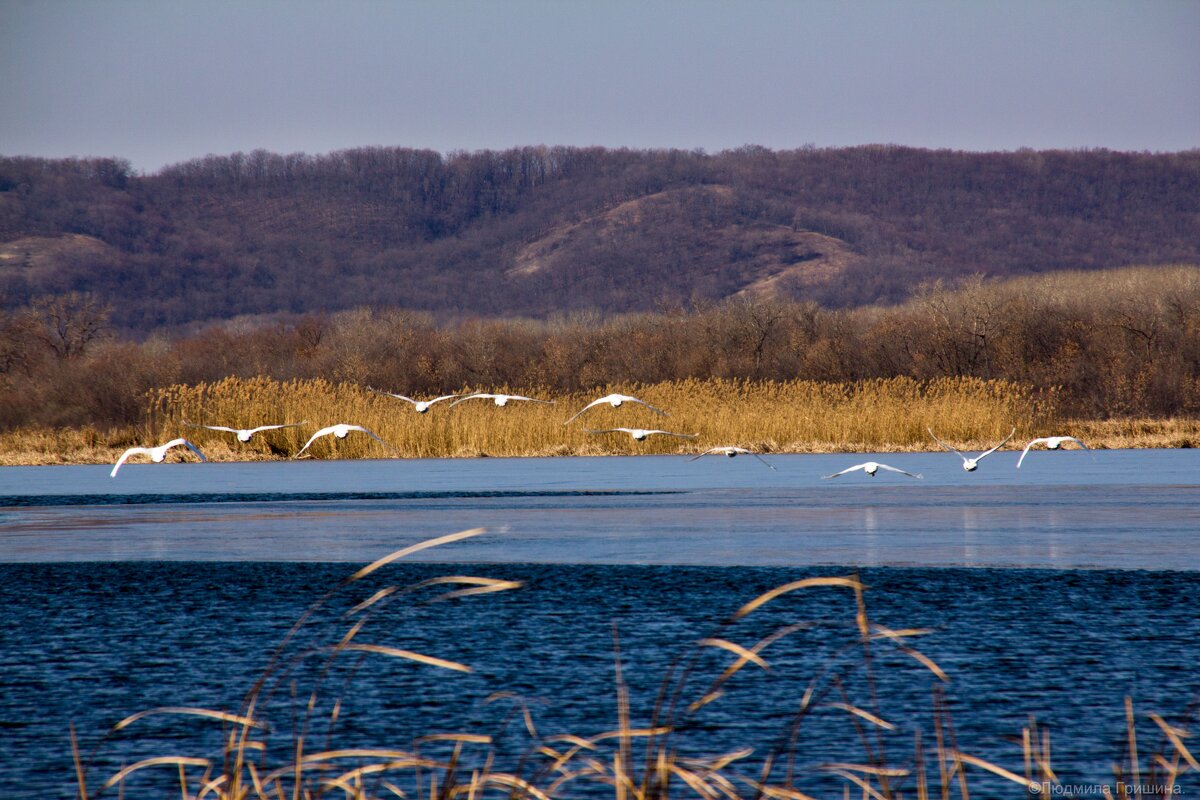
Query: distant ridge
{"points": [[544, 230]]}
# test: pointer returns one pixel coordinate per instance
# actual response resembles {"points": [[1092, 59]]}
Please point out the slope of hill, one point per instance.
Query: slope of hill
{"points": [[541, 230], [697, 233]]}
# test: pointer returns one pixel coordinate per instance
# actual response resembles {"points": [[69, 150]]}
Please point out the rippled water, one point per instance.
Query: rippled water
{"points": [[170, 585]]}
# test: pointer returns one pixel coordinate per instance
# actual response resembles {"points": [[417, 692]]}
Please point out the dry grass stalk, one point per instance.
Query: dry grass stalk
{"points": [[633, 761], [797, 416], [792, 417]]}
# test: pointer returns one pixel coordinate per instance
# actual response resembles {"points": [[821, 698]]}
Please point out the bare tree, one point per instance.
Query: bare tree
{"points": [[16, 342], [68, 323]]}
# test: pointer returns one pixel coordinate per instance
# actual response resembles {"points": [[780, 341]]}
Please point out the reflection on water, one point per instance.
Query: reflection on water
{"points": [[1135, 509]]}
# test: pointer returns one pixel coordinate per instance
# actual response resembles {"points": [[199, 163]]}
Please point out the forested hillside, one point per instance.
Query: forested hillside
{"points": [[537, 230]]}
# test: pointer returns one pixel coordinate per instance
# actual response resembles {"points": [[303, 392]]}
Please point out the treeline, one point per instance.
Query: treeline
{"points": [[613, 230], [1107, 344]]}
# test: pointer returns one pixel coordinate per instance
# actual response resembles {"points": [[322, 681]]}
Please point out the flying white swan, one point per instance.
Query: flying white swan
{"points": [[871, 467], [1051, 442], [640, 434], [499, 399], [731, 452], [157, 454], [615, 400], [420, 406], [341, 431], [244, 434], [969, 464]]}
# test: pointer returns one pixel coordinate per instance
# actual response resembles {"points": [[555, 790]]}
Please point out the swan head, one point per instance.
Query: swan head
{"points": [[502, 400], [244, 436], [871, 468], [421, 408], [970, 464], [731, 453]]}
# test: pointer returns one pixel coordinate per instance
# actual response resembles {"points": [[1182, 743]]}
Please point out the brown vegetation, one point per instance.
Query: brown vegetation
{"points": [[796, 416], [274, 749], [1118, 343]]}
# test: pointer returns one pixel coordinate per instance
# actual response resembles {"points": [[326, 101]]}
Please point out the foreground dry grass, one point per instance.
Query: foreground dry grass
{"points": [[794, 417], [266, 757]]}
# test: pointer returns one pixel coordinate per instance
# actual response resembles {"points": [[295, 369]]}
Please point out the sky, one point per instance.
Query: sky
{"points": [[164, 81]]}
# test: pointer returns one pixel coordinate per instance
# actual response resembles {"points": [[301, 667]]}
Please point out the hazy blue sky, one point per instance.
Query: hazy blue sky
{"points": [[160, 81]]}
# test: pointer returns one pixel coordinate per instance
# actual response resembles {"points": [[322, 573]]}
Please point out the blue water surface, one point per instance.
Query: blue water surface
{"points": [[1053, 591], [1065, 509]]}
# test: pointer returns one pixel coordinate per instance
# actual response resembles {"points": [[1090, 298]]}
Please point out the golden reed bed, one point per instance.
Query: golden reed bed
{"points": [[793, 417]]}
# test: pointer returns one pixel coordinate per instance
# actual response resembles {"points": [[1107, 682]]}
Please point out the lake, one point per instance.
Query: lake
{"points": [[1067, 509], [1053, 591]]}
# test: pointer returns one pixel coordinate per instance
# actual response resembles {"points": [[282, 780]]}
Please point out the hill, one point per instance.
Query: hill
{"points": [[537, 231]]}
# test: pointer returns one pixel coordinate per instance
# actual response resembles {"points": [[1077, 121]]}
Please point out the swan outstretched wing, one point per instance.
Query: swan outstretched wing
{"points": [[372, 435], [212, 427], [997, 447], [1026, 450], [239, 431], [314, 437], [631, 431], [729, 450], [943, 444], [276, 427], [670, 433], [763, 460], [153, 451], [133, 451], [655, 409], [1047, 440], [187, 444], [530, 399], [612, 399], [843, 472], [392, 394], [585, 408], [901, 471], [466, 397], [722, 450]]}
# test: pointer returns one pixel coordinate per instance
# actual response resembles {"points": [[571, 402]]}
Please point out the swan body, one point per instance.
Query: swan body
{"points": [[731, 452], [871, 467], [615, 400], [341, 431], [420, 406], [640, 434], [157, 454], [971, 464], [244, 434], [499, 399], [1051, 442]]}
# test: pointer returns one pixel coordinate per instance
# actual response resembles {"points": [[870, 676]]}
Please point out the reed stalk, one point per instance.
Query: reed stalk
{"points": [[797, 416], [642, 758]]}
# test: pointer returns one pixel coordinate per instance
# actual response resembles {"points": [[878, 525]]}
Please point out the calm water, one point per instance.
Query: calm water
{"points": [[170, 585], [1122, 509]]}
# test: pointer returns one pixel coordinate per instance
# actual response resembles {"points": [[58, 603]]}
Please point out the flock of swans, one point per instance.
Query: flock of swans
{"points": [[342, 430]]}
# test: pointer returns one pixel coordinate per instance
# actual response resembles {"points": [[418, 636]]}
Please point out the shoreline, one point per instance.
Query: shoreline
{"points": [[73, 446]]}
